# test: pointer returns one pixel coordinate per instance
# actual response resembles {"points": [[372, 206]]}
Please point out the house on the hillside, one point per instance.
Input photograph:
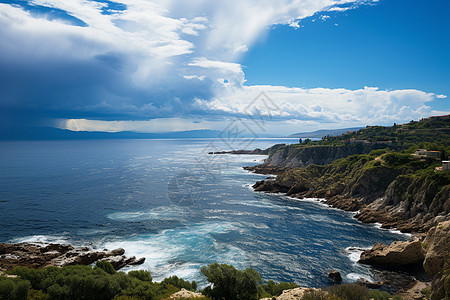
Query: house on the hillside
{"points": [[444, 117], [423, 153], [445, 166]]}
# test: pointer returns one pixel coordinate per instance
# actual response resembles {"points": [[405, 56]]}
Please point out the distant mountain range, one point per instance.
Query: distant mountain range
{"points": [[49, 133], [323, 132]]}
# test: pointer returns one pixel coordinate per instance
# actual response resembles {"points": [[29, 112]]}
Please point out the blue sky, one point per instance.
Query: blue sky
{"points": [[157, 66]]}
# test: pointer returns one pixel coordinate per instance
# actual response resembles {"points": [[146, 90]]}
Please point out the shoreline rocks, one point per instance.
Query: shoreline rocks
{"points": [[256, 151], [395, 255], [35, 255], [374, 205]]}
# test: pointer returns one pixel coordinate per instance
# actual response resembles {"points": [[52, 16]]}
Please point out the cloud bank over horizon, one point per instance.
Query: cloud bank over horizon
{"points": [[161, 66]]}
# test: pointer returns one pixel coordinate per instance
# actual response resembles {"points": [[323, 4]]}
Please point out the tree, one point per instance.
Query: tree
{"points": [[230, 283]]}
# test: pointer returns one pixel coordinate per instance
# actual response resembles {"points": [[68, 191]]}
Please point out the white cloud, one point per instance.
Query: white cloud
{"points": [[224, 66], [166, 50], [154, 125], [194, 77], [295, 24], [364, 106]]}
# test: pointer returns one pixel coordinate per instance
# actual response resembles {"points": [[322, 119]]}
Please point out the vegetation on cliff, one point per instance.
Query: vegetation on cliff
{"points": [[409, 189], [435, 130], [430, 134]]}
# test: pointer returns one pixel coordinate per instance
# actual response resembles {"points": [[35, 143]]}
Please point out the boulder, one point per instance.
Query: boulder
{"points": [[120, 261], [397, 254], [437, 245], [185, 294], [436, 263], [335, 277]]}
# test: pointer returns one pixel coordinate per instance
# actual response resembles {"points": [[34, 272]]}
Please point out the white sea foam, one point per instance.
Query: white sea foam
{"points": [[319, 201], [378, 225], [181, 251], [354, 253], [356, 276], [42, 239]]}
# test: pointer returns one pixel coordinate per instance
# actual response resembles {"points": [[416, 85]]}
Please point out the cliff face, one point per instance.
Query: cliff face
{"points": [[282, 157], [416, 203], [374, 184]]}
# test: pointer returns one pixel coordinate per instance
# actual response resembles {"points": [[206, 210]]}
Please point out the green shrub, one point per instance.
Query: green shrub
{"points": [[379, 295], [231, 283], [105, 266], [271, 288], [180, 283], [141, 275], [14, 288], [349, 291], [426, 292], [315, 295], [37, 295]]}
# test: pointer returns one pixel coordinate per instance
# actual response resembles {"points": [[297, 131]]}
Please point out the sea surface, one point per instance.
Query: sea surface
{"points": [[181, 208]]}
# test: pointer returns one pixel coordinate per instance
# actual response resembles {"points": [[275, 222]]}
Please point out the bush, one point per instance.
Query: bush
{"points": [[141, 275], [14, 288], [180, 283], [231, 283], [37, 295], [271, 288], [105, 266], [379, 295], [349, 291], [85, 282], [315, 295]]}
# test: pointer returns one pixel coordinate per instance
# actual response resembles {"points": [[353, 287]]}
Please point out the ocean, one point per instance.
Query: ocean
{"points": [[179, 207]]}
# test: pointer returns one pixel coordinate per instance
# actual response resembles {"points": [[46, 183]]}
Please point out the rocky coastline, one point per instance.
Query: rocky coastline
{"points": [[378, 196], [37, 255]]}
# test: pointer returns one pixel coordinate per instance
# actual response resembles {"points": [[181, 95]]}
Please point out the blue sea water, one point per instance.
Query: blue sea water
{"points": [[171, 202]]}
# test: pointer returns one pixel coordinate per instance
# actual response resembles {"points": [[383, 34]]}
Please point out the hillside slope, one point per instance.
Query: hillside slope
{"points": [[376, 176]]}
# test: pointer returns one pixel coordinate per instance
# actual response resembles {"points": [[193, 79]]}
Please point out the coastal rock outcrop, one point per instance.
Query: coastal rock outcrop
{"points": [[185, 294], [292, 294], [437, 259], [295, 156], [335, 277], [35, 255], [396, 254], [382, 193], [437, 245]]}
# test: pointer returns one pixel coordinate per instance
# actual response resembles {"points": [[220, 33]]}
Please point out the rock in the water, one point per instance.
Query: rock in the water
{"points": [[120, 261], [185, 294], [335, 277], [397, 254]]}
